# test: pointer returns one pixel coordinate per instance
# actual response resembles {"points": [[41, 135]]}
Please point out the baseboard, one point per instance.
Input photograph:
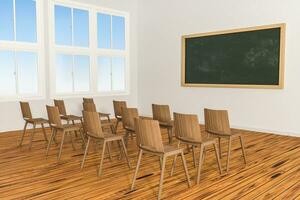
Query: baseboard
{"points": [[292, 134]]}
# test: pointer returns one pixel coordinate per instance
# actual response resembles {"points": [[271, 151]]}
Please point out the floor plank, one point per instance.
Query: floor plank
{"points": [[272, 171]]}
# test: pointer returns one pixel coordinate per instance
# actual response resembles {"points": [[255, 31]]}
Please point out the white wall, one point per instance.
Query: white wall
{"points": [[11, 118], [161, 25]]}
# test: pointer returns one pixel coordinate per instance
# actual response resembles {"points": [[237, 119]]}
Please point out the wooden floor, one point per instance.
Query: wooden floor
{"points": [[272, 172]]}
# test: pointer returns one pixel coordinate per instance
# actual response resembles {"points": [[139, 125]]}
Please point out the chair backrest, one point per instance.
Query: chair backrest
{"points": [[118, 105], [187, 125], [53, 116], [148, 134], [61, 106], [217, 122], [89, 107], [128, 116], [26, 111], [92, 123], [161, 113], [88, 100]]}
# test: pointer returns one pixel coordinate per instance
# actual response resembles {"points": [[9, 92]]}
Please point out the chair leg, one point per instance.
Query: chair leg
{"points": [[126, 137], [32, 135], [76, 135], [24, 131], [108, 151], [85, 153], [203, 156], [44, 132], [174, 161], [220, 149], [125, 153], [161, 177], [116, 127], [170, 135], [61, 145], [194, 156], [137, 168], [217, 158], [72, 141], [228, 154], [160, 162], [200, 164], [111, 126], [82, 138], [50, 142], [185, 169], [243, 149], [102, 158]]}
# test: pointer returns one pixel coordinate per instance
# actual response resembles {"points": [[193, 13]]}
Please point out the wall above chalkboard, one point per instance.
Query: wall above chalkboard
{"points": [[240, 58]]}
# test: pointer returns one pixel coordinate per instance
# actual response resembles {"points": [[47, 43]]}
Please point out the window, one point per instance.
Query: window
{"points": [[72, 74], [89, 54], [72, 67], [111, 66], [20, 49]]}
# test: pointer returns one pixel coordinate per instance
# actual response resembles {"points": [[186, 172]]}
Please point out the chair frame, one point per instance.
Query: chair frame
{"points": [[163, 115], [221, 120], [65, 129], [128, 115], [101, 114], [27, 116], [193, 129], [161, 154], [102, 138], [118, 106]]}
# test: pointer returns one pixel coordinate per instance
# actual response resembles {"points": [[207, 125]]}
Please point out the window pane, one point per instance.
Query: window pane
{"points": [[81, 27], [81, 73], [6, 20], [27, 72], [104, 74], [104, 30], [118, 74], [118, 32], [63, 25], [26, 21], [64, 83], [7, 70]]}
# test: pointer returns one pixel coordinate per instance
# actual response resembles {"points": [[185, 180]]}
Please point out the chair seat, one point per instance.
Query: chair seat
{"points": [[107, 136], [71, 117], [103, 114], [37, 120], [167, 124], [193, 141], [129, 128], [69, 127]]}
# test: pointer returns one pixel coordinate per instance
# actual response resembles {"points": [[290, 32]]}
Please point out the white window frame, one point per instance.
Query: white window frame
{"points": [[38, 48], [93, 51]]}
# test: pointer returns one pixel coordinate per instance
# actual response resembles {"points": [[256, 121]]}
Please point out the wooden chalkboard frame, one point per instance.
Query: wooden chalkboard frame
{"points": [[282, 27]]}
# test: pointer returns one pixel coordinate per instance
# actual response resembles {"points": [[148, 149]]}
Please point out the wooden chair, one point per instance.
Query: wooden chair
{"points": [[149, 141], [217, 124], [63, 113], [118, 106], [163, 115], [27, 116], [102, 115], [187, 131], [91, 107], [57, 126], [92, 124], [128, 116]]}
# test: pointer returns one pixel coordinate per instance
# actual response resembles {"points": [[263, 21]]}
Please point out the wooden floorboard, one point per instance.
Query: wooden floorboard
{"points": [[272, 171]]}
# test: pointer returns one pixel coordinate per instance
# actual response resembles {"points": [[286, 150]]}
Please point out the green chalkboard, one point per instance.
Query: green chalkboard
{"points": [[251, 57]]}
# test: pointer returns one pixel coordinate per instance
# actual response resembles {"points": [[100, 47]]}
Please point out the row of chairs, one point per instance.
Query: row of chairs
{"points": [[147, 131]]}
